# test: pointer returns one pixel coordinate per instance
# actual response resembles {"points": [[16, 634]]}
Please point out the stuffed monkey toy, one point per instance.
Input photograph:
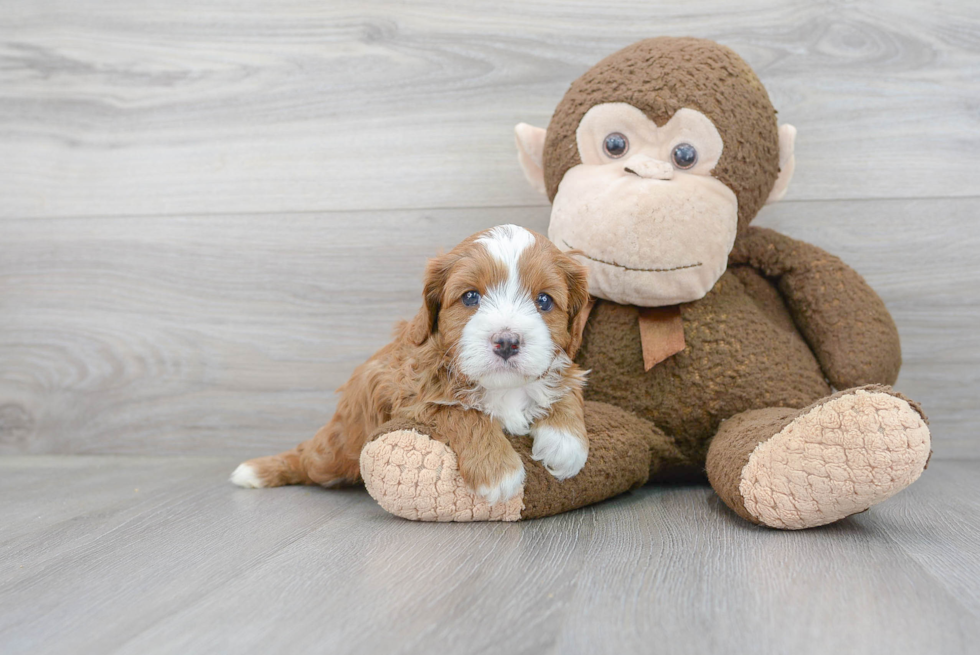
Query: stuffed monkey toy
{"points": [[716, 348]]}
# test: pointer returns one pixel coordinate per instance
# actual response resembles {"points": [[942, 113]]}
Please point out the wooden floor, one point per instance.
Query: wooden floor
{"points": [[211, 212], [162, 555]]}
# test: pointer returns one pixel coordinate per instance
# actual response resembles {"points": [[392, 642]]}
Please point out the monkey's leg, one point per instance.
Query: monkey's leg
{"points": [[412, 474], [794, 469]]}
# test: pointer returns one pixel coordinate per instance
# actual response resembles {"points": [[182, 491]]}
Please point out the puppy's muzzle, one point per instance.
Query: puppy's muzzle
{"points": [[506, 344]]}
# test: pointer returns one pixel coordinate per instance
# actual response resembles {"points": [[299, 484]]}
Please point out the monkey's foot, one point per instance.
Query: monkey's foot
{"points": [[416, 477], [834, 459]]}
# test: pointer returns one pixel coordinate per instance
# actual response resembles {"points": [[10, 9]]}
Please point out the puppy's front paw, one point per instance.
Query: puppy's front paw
{"points": [[561, 452], [496, 478], [506, 487]]}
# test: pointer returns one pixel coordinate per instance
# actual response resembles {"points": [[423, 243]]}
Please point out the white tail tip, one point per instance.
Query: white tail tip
{"points": [[244, 476]]}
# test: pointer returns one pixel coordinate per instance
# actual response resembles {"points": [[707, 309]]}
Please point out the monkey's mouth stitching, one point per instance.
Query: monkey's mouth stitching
{"points": [[627, 268]]}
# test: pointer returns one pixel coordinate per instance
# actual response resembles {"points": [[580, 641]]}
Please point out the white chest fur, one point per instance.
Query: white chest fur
{"points": [[517, 408]]}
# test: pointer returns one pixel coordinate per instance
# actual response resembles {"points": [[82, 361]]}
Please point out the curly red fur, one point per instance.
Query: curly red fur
{"points": [[414, 379]]}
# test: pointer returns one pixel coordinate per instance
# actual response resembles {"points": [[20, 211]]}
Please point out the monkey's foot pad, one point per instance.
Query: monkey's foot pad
{"points": [[834, 460], [417, 478]]}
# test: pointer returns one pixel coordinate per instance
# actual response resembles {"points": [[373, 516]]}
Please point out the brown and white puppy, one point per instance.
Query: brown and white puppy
{"points": [[488, 354]]}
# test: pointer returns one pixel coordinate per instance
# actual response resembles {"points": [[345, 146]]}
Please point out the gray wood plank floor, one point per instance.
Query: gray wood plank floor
{"points": [[211, 212], [161, 555]]}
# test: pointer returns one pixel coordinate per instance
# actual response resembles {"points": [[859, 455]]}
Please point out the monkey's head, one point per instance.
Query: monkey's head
{"points": [[655, 160]]}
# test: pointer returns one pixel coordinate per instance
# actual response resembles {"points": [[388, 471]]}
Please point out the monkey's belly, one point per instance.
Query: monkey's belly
{"points": [[742, 352]]}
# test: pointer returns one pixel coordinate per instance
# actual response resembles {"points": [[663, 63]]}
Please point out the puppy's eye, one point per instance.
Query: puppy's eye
{"points": [[471, 298], [615, 145], [544, 302], [684, 156]]}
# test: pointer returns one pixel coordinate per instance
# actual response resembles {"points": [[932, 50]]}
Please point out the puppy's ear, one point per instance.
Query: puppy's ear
{"points": [[425, 322], [579, 300]]}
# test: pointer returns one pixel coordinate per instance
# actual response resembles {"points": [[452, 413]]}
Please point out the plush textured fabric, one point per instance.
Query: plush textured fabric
{"points": [[828, 461], [660, 76], [651, 235], [620, 459], [842, 319], [417, 478], [763, 348], [742, 352], [735, 442]]}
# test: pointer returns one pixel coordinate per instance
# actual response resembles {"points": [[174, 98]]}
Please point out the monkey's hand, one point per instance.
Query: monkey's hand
{"points": [[843, 320]]}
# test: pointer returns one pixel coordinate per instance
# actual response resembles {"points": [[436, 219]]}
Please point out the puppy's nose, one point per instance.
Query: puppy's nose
{"points": [[506, 344]]}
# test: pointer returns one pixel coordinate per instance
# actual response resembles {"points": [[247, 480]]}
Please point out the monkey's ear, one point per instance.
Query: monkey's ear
{"points": [[530, 153], [787, 162]]}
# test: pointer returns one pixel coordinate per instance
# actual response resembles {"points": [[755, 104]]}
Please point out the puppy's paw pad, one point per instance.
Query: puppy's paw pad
{"points": [[245, 476], [561, 452]]}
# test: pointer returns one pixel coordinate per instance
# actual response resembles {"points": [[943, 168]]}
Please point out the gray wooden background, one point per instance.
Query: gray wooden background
{"points": [[210, 212]]}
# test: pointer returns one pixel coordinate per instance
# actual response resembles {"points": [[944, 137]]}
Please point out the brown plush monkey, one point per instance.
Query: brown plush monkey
{"points": [[714, 346]]}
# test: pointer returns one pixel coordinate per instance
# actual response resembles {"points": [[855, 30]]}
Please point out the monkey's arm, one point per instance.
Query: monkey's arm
{"points": [[843, 320]]}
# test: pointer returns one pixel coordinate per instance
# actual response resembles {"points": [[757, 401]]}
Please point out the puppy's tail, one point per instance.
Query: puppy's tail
{"points": [[273, 471], [329, 459]]}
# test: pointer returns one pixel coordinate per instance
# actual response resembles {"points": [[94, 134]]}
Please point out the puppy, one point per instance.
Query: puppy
{"points": [[489, 354]]}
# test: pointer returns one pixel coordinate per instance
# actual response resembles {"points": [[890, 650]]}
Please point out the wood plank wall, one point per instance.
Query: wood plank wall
{"points": [[210, 212]]}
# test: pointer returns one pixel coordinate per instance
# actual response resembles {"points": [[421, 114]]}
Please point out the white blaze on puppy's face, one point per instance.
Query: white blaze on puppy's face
{"points": [[507, 307], [507, 304]]}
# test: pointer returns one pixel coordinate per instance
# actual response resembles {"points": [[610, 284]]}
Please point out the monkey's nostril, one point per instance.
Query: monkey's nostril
{"points": [[506, 344], [650, 169]]}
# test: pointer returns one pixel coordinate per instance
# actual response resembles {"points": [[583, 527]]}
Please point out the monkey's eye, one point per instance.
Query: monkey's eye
{"points": [[684, 155], [471, 298], [544, 302], [615, 145]]}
